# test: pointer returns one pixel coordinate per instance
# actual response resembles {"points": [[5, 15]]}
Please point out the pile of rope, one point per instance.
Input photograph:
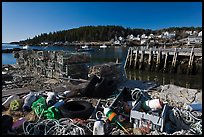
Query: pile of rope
{"points": [[63, 126]]}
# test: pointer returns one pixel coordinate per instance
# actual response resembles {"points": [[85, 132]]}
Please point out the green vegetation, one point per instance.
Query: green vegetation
{"points": [[100, 33]]}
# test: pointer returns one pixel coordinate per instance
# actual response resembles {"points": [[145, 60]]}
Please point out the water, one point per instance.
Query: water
{"points": [[111, 54]]}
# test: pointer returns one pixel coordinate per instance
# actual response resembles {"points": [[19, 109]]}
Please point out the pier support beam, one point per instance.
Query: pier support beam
{"points": [[136, 58], [173, 67], [150, 59], [141, 59], [165, 61], [127, 57], [158, 60], [190, 63], [131, 57]]}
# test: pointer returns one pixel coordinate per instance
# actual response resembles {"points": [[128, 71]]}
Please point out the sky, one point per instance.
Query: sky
{"points": [[21, 20]]}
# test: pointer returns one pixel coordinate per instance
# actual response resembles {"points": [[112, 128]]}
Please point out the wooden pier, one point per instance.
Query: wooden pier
{"points": [[174, 60]]}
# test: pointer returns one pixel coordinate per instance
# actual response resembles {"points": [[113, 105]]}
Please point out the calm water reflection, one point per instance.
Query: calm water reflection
{"points": [[112, 54], [188, 81]]}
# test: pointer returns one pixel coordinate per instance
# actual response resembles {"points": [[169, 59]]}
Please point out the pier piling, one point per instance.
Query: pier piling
{"points": [[154, 59]]}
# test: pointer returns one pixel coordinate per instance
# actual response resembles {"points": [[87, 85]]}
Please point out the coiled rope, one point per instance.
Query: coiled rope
{"points": [[136, 93]]}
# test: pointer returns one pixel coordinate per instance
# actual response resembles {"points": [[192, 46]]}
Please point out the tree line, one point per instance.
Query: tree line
{"points": [[100, 33]]}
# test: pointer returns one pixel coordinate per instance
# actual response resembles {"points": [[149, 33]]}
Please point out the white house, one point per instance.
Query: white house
{"points": [[200, 33], [151, 36], [120, 38], [194, 39], [143, 36], [44, 43], [130, 37], [117, 42], [189, 32], [168, 35]]}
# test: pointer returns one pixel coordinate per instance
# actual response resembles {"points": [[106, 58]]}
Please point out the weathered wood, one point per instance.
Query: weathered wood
{"points": [[150, 59], [136, 56], [158, 59], [141, 59], [71, 79], [190, 63], [191, 58], [127, 58], [131, 56], [150, 56], [174, 58], [6, 93], [165, 61]]}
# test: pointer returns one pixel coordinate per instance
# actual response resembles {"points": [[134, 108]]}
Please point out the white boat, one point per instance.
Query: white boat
{"points": [[25, 47], [103, 46], [85, 47]]}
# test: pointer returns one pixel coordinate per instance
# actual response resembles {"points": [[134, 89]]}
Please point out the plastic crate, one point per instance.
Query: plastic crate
{"points": [[155, 119]]}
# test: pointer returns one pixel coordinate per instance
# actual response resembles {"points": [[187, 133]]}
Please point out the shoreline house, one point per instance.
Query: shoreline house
{"points": [[168, 35], [194, 40]]}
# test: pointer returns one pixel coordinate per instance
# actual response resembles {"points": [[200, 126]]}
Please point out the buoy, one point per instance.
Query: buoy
{"points": [[51, 98], [28, 101], [112, 116]]}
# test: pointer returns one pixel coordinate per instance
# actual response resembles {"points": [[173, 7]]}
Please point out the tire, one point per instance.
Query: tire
{"points": [[77, 109], [89, 90]]}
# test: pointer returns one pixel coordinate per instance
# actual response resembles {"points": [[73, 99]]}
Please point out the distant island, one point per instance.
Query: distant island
{"points": [[115, 35]]}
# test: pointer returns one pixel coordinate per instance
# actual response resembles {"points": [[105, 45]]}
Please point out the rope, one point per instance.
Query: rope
{"points": [[64, 126], [136, 93]]}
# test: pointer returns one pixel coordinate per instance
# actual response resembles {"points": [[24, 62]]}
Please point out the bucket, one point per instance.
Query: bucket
{"points": [[153, 104], [98, 128]]}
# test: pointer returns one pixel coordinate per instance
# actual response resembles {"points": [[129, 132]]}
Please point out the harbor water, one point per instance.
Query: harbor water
{"points": [[111, 54]]}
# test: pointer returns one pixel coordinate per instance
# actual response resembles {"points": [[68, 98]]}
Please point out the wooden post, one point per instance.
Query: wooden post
{"points": [[158, 59], [150, 59], [174, 59], [190, 63], [131, 54], [141, 59], [127, 57], [165, 61], [136, 56]]}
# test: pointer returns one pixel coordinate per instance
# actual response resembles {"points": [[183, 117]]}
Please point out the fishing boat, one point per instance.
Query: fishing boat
{"points": [[84, 48], [103, 46], [25, 47]]}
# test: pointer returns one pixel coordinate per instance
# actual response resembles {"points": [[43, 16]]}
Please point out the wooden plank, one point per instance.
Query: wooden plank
{"points": [[136, 58], [131, 56], [165, 61], [127, 58], [17, 91], [141, 59]]}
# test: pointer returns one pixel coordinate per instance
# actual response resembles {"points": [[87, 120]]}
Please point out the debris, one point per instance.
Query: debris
{"points": [[29, 99], [6, 123], [66, 104], [77, 109], [7, 102], [15, 105]]}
